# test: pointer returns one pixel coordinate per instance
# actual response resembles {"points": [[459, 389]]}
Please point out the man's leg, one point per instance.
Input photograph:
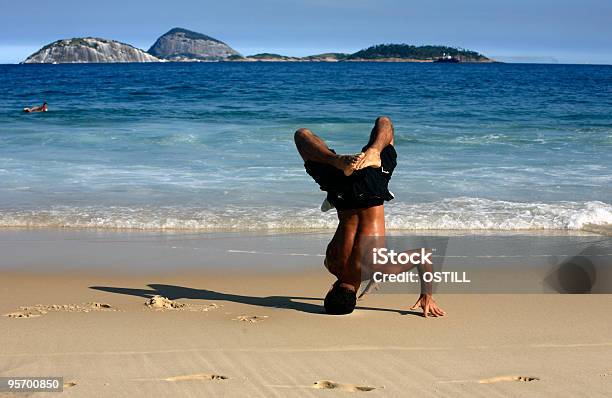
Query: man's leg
{"points": [[313, 148], [381, 136]]}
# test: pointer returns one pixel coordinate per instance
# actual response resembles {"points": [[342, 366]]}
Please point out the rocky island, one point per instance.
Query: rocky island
{"points": [[88, 50], [184, 45]]}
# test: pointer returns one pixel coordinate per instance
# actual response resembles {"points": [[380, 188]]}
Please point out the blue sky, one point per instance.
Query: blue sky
{"points": [[518, 30]]}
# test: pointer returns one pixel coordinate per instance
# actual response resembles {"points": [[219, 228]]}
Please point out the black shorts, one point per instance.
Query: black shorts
{"points": [[364, 188]]}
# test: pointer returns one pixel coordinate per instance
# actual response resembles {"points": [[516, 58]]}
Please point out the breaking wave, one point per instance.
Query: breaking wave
{"points": [[449, 214]]}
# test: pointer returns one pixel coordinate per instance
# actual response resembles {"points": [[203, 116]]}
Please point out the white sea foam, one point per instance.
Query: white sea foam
{"points": [[450, 214], [474, 213]]}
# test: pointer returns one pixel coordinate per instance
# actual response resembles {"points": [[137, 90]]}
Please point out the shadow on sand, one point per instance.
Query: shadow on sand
{"points": [[180, 292]]}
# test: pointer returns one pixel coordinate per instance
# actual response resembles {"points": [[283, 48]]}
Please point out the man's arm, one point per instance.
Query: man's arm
{"points": [[425, 300]]}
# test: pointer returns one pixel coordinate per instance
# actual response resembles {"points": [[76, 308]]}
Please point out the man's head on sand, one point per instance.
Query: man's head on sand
{"points": [[340, 300]]}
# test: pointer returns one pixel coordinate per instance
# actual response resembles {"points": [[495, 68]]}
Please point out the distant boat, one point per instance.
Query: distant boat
{"points": [[448, 59]]}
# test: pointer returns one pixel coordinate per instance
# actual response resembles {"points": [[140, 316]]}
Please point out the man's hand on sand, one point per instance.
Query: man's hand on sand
{"points": [[429, 306]]}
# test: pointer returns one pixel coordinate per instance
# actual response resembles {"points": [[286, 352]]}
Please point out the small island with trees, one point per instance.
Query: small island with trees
{"points": [[380, 53], [417, 53]]}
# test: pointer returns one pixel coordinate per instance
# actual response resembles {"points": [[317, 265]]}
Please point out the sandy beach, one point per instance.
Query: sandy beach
{"points": [[249, 332], [194, 198]]}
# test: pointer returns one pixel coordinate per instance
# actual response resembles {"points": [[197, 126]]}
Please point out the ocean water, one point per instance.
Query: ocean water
{"points": [[209, 146]]}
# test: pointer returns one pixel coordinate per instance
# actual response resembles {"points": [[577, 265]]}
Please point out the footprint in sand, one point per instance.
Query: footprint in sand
{"points": [[499, 379], [197, 376], [41, 309], [21, 315], [164, 303], [332, 385], [250, 318]]}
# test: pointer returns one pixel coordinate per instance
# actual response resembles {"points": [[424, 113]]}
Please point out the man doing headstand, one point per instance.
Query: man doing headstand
{"points": [[357, 186]]}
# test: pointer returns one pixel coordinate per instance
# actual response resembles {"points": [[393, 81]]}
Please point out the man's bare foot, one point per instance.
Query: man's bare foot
{"points": [[347, 163], [370, 158]]}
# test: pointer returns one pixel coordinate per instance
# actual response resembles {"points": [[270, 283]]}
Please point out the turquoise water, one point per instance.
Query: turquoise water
{"points": [[210, 145]]}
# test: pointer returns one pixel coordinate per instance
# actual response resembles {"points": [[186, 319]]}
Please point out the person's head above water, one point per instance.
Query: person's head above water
{"points": [[340, 300]]}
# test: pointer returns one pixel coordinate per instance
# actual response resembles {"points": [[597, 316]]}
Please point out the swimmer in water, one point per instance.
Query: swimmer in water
{"points": [[42, 108]]}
